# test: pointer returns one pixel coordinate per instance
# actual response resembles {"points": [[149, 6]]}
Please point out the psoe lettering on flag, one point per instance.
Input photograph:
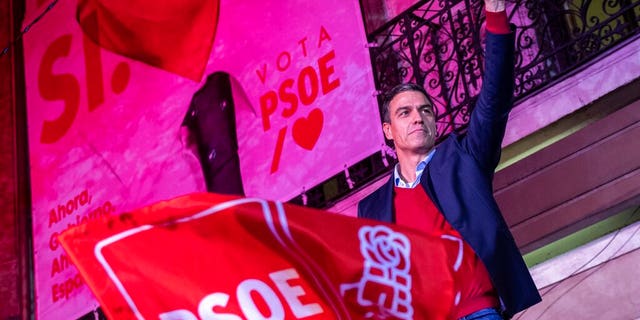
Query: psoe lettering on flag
{"points": [[206, 256]]}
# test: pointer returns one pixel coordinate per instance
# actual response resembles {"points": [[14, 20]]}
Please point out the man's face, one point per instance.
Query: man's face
{"points": [[412, 124]]}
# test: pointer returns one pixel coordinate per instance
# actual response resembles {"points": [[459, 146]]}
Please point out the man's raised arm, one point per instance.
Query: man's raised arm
{"points": [[489, 117]]}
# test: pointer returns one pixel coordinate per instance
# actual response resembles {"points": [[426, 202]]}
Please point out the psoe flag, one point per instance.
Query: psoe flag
{"points": [[205, 256]]}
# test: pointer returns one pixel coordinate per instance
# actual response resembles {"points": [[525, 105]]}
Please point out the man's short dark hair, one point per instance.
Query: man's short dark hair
{"points": [[389, 95]]}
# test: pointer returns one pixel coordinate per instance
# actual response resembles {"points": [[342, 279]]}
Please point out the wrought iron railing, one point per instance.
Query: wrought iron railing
{"points": [[437, 43], [556, 37]]}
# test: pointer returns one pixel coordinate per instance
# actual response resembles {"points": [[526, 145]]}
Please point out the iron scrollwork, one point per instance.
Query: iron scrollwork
{"points": [[437, 44]]}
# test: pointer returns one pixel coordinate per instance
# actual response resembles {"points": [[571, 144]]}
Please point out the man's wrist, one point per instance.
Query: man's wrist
{"points": [[494, 5]]}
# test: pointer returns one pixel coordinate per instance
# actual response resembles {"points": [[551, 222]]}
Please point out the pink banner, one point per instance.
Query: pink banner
{"points": [[307, 75], [105, 130]]}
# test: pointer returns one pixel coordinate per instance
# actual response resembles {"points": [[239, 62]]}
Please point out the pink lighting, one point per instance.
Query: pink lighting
{"points": [[105, 131]]}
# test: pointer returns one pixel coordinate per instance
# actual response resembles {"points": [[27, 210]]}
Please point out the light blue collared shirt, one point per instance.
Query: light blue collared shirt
{"points": [[419, 169]]}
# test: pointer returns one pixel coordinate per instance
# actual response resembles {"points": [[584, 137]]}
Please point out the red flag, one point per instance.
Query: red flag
{"points": [[175, 35], [205, 255]]}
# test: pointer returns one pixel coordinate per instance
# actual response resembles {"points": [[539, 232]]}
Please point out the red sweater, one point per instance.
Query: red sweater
{"points": [[414, 209]]}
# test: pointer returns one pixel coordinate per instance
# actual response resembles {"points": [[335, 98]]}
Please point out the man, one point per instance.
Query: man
{"points": [[448, 190]]}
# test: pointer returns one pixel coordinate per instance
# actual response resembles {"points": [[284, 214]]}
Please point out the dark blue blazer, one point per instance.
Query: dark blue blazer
{"points": [[458, 179]]}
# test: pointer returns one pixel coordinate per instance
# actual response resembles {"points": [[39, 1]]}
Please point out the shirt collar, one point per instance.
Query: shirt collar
{"points": [[419, 169]]}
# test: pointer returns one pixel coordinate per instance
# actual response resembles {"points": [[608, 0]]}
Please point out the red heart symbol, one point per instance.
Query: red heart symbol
{"points": [[306, 131]]}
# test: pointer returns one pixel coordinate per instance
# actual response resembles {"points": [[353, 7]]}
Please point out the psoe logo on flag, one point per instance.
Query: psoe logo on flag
{"points": [[385, 286]]}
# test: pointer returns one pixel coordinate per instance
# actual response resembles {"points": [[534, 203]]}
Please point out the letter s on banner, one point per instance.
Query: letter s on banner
{"points": [[205, 310], [218, 299], [177, 315]]}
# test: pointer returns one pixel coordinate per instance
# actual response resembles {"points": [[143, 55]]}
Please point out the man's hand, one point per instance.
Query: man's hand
{"points": [[494, 5]]}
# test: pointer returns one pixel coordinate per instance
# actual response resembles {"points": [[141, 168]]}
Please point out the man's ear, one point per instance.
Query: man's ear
{"points": [[386, 128]]}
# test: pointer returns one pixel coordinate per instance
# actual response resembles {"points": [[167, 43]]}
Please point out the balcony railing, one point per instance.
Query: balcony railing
{"points": [[437, 44]]}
